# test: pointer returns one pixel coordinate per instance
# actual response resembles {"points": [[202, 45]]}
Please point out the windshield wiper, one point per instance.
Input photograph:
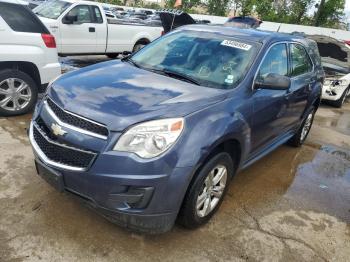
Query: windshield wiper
{"points": [[181, 77], [130, 61], [174, 75]]}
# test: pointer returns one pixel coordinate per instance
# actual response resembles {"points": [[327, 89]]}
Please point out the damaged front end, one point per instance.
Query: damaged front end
{"points": [[336, 82]]}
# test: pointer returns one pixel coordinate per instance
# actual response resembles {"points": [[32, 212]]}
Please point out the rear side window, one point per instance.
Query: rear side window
{"points": [[276, 61], [21, 19], [300, 60]]}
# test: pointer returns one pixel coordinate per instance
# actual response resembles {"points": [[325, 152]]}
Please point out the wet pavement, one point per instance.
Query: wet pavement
{"points": [[293, 205]]}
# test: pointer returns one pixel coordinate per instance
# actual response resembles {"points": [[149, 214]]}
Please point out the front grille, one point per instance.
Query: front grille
{"points": [[62, 154], [76, 121]]}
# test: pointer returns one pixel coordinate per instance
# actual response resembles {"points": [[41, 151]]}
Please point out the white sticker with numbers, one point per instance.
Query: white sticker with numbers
{"points": [[236, 44]]}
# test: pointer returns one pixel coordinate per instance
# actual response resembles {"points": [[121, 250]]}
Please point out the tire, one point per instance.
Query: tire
{"points": [[339, 103], [138, 46], [299, 138], [112, 56], [191, 217], [25, 99]]}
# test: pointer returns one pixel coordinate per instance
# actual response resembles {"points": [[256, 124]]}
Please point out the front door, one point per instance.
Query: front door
{"points": [[79, 37], [270, 106]]}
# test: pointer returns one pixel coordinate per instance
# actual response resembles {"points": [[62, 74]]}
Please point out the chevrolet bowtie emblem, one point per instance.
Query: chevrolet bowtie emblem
{"points": [[57, 130]]}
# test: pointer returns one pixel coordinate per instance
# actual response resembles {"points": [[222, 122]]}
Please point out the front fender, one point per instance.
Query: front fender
{"points": [[208, 129]]}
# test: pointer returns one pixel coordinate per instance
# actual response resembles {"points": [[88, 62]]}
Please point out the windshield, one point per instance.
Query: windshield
{"points": [[51, 9], [209, 59]]}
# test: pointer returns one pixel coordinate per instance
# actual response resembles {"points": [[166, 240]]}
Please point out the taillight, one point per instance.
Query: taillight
{"points": [[49, 40], [163, 33], [347, 42]]}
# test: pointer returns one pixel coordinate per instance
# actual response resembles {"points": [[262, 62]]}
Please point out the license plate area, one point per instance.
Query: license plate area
{"points": [[52, 177]]}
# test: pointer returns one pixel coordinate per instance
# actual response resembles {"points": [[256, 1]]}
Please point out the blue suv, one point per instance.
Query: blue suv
{"points": [[157, 136]]}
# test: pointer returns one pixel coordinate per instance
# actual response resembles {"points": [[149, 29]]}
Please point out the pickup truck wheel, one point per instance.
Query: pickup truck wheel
{"points": [[339, 103], [137, 47], [299, 138], [205, 194], [18, 93]]}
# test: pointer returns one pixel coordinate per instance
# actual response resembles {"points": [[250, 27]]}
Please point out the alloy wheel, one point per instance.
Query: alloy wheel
{"points": [[15, 94], [212, 190], [306, 127]]}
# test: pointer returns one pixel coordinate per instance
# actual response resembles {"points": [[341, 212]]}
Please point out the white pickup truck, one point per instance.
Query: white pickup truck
{"points": [[81, 28]]}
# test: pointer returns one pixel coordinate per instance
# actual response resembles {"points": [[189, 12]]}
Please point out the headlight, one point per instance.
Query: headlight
{"points": [[150, 139]]}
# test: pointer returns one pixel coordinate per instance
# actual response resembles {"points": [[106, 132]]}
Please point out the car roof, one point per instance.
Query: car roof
{"points": [[247, 34]]}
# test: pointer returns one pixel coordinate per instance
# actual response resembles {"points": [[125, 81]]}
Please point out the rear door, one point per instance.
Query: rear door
{"points": [[302, 80], [79, 37]]}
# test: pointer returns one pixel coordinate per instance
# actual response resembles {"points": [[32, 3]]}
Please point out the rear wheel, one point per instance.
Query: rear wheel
{"points": [[299, 138], [207, 191], [18, 92], [339, 103], [138, 46]]}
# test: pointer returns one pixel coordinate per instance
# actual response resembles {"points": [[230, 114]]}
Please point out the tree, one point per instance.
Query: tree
{"points": [[245, 7], [186, 4], [329, 13], [217, 7]]}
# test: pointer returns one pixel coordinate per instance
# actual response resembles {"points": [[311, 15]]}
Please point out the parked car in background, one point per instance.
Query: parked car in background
{"points": [[28, 58], [158, 136], [336, 63], [244, 22], [82, 28]]}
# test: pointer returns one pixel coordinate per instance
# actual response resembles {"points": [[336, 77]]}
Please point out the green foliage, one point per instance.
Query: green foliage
{"points": [[217, 7], [187, 5], [329, 13]]}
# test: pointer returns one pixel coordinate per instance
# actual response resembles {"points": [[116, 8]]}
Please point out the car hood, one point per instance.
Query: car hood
{"points": [[118, 95], [172, 19]]}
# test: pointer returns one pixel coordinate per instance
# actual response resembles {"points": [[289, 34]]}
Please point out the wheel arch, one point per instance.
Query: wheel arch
{"points": [[26, 67]]}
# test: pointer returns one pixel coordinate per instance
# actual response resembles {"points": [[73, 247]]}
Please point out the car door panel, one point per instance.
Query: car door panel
{"points": [[78, 38], [302, 81], [270, 106]]}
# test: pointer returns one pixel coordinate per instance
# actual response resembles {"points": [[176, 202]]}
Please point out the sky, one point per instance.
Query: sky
{"points": [[347, 9]]}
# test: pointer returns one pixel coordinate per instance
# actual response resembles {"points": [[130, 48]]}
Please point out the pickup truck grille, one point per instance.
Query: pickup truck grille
{"points": [[59, 154], [77, 121]]}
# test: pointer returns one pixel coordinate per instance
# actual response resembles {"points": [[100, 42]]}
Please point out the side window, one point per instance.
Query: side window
{"points": [[21, 19], [82, 12], [300, 60], [276, 61], [98, 16]]}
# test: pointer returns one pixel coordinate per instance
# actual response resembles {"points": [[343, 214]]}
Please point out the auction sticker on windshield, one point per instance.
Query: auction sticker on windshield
{"points": [[236, 44]]}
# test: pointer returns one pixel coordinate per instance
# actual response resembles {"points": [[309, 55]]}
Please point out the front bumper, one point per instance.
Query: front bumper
{"points": [[333, 93], [139, 195]]}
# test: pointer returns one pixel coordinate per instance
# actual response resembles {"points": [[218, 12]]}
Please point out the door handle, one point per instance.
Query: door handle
{"points": [[92, 29]]}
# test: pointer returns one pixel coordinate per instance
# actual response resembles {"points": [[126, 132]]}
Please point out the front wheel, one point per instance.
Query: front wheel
{"points": [[205, 194], [299, 138], [18, 93]]}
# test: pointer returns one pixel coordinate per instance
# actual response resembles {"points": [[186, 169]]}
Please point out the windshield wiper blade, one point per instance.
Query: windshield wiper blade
{"points": [[182, 77], [130, 61]]}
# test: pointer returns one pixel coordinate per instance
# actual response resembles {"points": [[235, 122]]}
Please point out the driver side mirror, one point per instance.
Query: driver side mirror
{"points": [[69, 19], [273, 82]]}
